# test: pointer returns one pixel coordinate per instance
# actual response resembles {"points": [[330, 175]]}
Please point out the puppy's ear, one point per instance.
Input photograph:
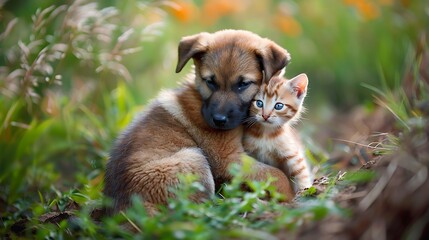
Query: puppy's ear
{"points": [[273, 59], [189, 47]]}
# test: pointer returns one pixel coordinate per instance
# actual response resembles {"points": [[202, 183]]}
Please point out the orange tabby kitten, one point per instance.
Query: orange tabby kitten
{"points": [[269, 136]]}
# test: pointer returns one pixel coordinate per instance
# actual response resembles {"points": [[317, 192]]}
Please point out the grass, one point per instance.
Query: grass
{"points": [[73, 76], [231, 213]]}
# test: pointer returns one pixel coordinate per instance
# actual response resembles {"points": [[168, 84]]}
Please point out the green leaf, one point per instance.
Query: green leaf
{"points": [[361, 176], [311, 191]]}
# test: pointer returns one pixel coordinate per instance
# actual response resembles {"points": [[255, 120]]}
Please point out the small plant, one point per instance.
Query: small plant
{"points": [[232, 212]]}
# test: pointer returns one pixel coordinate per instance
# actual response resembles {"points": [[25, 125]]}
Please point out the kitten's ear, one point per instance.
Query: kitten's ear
{"points": [[299, 85], [190, 47]]}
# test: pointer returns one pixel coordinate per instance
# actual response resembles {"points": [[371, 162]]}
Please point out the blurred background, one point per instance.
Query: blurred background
{"points": [[74, 73]]}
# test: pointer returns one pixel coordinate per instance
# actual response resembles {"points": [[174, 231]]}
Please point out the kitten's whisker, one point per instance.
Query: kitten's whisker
{"points": [[250, 121], [246, 120], [253, 122]]}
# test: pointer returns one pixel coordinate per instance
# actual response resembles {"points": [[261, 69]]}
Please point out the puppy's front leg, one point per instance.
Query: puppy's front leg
{"points": [[224, 155], [261, 172]]}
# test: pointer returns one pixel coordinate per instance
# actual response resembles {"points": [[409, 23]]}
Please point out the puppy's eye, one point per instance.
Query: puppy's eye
{"points": [[259, 103], [243, 85], [278, 106], [210, 81]]}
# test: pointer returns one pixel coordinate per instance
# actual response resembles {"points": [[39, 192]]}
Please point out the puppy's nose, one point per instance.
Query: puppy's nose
{"points": [[219, 119]]}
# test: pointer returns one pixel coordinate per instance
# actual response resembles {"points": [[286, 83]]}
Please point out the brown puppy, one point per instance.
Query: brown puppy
{"points": [[196, 128]]}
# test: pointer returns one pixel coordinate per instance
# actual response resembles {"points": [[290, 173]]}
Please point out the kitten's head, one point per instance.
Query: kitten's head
{"points": [[279, 101]]}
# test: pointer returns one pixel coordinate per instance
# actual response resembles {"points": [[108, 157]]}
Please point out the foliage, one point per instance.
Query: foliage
{"points": [[232, 213], [401, 185], [68, 122], [73, 75]]}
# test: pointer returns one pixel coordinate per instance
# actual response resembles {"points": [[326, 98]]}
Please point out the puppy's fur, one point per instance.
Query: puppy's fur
{"points": [[196, 128]]}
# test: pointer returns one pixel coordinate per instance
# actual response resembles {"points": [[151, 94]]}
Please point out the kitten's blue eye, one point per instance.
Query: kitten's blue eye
{"points": [[278, 106], [259, 103]]}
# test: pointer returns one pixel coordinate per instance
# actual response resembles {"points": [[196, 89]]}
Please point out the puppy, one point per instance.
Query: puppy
{"points": [[197, 127]]}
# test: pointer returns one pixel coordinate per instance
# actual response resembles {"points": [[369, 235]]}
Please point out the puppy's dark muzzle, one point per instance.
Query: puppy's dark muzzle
{"points": [[220, 120], [223, 114]]}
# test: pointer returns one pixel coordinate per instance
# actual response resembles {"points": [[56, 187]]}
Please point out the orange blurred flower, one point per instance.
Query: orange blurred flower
{"points": [[213, 10], [182, 10], [367, 9], [288, 25]]}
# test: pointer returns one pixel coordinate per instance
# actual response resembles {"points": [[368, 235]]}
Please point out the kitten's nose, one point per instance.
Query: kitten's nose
{"points": [[265, 117], [219, 119]]}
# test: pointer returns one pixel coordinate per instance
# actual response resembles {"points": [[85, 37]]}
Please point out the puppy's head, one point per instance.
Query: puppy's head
{"points": [[230, 66]]}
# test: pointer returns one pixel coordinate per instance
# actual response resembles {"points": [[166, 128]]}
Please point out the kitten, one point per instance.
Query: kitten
{"points": [[269, 136]]}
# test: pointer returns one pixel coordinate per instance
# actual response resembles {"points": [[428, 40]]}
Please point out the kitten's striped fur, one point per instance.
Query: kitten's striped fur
{"points": [[269, 136]]}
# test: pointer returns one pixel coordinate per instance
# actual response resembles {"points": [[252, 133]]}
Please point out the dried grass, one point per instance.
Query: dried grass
{"points": [[96, 37]]}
